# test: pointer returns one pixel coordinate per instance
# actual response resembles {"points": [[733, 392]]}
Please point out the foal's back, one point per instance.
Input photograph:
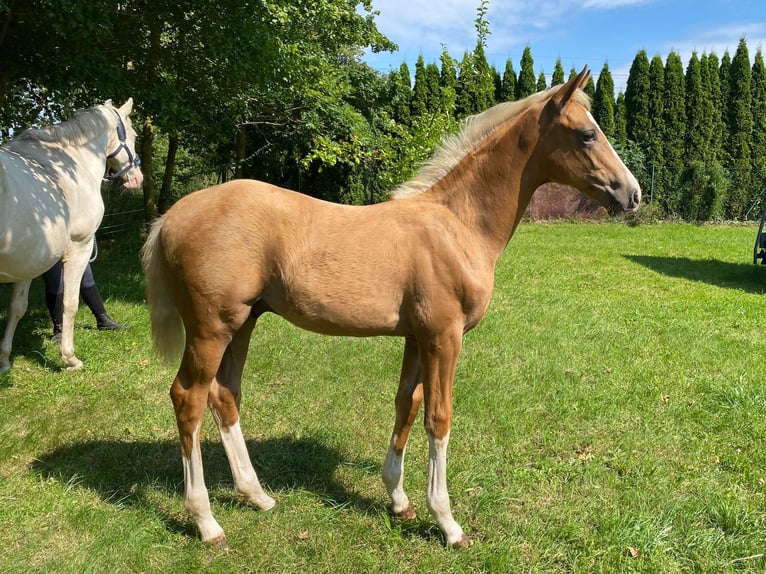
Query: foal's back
{"points": [[336, 269]]}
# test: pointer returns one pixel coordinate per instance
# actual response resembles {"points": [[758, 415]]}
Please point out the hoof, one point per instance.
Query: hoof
{"points": [[74, 365], [219, 543], [462, 543], [406, 514]]}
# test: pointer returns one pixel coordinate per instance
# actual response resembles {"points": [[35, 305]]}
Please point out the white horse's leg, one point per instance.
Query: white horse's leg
{"points": [[17, 306], [408, 400], [74, 262]]}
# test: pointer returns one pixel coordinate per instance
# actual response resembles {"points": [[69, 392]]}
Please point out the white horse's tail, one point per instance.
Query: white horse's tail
{"points": [[167, 327]]}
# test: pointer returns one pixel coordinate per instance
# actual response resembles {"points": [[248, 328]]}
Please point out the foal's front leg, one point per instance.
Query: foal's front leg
{"points": [[438, 357], [408, 400], [17, 306]]}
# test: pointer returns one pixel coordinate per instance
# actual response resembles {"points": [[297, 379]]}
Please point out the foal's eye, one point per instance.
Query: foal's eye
{"points": [[588, 136]]}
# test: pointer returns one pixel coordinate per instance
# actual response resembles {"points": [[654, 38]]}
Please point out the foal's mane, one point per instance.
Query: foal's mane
{"points": [[473, 131], [82, 127]]}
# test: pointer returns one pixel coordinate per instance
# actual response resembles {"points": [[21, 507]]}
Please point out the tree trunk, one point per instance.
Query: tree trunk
{"points": [[167, 178], [147, 159], [241, 150]]}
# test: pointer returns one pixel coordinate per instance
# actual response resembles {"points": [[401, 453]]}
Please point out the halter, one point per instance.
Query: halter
{"points": [[133, 160]]}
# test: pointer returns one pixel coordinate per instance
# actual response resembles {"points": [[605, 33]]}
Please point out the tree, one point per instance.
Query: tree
{"points": [[419, 103], [526, 84], [638, 123], [541, 82], [758, 91], [558, 73], [724, 82], [653, 144], [603, 102], [508, 91], [674, 124], [741, 129], [696, 135], [448, 82], [714, 111], [620, 120]]}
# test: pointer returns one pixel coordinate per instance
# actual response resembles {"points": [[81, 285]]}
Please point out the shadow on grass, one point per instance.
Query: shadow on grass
{"points": [[132, 473], [744, 276]]}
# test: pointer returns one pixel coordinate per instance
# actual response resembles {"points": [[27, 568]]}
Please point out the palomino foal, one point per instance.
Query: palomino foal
{"points": [[223, 256]]}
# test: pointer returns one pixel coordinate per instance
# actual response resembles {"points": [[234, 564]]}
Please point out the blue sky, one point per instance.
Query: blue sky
{"points": [[579, 32]]}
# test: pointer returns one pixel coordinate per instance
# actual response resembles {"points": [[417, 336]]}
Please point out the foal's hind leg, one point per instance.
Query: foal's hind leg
{"points": [[189, 394], [408, 399], [224, 401], [17, 306]]}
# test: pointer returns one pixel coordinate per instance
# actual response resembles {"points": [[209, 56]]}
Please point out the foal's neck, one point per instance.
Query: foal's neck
{"points": [[490, 188]]}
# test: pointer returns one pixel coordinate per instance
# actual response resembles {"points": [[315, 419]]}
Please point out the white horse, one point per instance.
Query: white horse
{"points": [[51, 205]]}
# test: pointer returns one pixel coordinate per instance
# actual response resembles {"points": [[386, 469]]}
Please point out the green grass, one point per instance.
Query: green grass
{"points": [[609, 417]]}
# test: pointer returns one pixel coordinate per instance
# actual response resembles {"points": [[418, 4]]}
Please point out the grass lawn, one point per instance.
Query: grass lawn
{"points": [[609, 417]]}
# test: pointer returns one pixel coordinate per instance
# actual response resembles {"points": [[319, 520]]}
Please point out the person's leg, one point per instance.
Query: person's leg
{"points": [[92, 298], [54, 296]]}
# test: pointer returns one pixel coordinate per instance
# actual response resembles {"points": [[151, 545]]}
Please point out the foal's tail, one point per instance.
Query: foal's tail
{"points": [[167, 327]]}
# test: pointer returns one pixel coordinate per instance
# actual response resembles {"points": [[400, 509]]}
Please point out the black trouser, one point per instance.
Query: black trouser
{"points": [[54, 293]]}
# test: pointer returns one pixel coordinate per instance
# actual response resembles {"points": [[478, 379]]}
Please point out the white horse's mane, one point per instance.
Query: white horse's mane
{"points": [[473, 131], [82, 127]]}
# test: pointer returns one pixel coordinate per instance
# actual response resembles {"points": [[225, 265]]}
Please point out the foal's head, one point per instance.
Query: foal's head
{"points": [[574, 151]]}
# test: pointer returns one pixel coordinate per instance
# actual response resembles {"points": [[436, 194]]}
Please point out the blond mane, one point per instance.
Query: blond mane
{"points": [[473, 131]]}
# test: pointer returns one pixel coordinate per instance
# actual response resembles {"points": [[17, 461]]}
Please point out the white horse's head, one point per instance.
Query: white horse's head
{"points": [[123, 161]]}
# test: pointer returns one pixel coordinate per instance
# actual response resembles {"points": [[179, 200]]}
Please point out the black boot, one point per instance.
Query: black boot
{"points": [[105, 323], [56, 336]]}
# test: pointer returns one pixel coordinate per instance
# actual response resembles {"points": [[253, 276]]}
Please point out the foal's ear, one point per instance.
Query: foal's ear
{"points": [[126, 108], [575, 83]]}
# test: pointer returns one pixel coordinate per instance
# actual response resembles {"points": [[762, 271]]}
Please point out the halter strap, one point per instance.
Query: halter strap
{"points": [[133, 159]]}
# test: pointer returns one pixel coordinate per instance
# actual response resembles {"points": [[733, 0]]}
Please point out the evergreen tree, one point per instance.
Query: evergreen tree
{"points": [[741, 124], [711, 84], [558, 74], [724, 81], [526, 84], [401, 94], [603, 102], [638, 122], [419, 105], [620, 121], [485, 80], [466, 87], [590, 87], [653, 145], [674, 124], [433, 92], [498, 84], [541, 82], [448, 81], [758, 90], [508, 92], [697, 121]]}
